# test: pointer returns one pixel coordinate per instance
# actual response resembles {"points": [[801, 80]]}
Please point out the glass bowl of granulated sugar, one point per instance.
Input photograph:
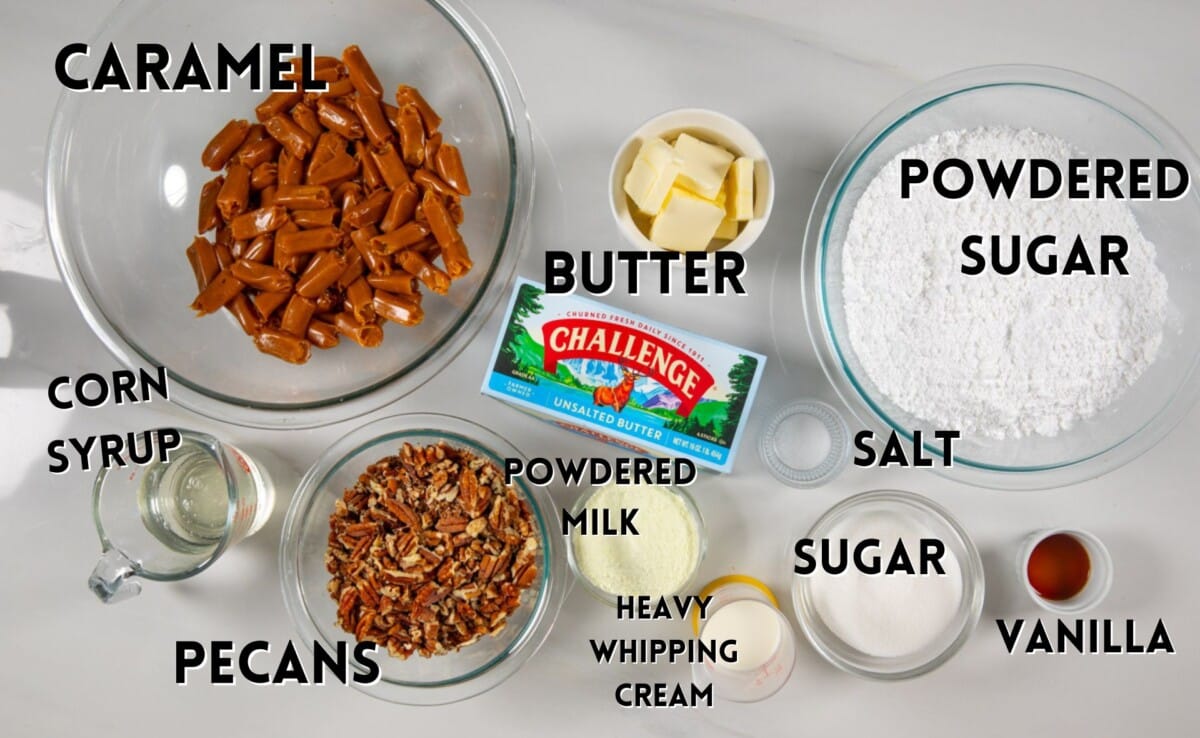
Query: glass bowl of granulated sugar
{"points": [[1010, 253]]}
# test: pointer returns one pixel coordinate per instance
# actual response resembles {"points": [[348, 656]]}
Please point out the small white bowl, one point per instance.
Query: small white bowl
{"points": [[707, 125], [1099, 579]]}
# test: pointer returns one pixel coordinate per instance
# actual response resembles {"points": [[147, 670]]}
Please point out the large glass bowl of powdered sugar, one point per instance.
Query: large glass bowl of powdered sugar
{"points": [[1011, 253]]}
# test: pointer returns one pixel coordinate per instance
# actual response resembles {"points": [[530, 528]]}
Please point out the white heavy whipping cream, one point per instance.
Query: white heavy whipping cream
{"points": [[752, 625], [997, 356]]}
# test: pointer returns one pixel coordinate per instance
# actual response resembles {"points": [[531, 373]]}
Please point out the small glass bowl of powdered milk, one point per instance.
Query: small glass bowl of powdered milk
{"points": [[654, 551], [896, 589]]}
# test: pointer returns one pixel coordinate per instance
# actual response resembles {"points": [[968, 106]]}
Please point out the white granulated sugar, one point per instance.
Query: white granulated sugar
{"points": [[991, 355], [888, 615]]}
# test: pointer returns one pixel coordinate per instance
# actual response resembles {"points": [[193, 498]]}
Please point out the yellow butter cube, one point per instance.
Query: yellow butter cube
{"points": [[653, 173], [728, 229], [702, 165], [740, 186], [687, 222]]}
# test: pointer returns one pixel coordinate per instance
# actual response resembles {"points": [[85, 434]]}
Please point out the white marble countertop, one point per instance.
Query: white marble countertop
{"points": [[804, 76]]}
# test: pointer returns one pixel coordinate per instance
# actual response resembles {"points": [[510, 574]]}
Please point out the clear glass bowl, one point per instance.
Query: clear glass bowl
{"points": [[123, 175], [415, 681], [1098, 119], [942, 526], [610, 598]]}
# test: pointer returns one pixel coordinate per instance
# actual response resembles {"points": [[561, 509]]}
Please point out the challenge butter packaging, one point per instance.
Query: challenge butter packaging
{"points": [[623, 378]]}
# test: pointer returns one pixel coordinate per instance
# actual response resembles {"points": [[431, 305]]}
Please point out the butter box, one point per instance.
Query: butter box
{"points": [[623, 378]]}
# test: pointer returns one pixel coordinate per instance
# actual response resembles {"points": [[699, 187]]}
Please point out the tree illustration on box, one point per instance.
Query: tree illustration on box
{"points": [[520, 354], [741, 377], [719, 420]]}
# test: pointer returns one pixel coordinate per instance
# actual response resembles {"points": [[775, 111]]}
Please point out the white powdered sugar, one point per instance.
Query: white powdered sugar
{"points": [[992, 355]]}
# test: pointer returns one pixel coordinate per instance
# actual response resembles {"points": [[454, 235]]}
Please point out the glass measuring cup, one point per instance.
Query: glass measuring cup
{"points": [[172, 518], [774, 655]]}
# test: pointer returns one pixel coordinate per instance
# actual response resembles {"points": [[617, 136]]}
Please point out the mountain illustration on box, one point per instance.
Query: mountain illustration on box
{"points": [[646, 393], [617, 386]]}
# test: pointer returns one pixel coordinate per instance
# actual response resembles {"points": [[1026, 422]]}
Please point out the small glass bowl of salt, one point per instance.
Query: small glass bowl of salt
{"points": [[897, 625]]}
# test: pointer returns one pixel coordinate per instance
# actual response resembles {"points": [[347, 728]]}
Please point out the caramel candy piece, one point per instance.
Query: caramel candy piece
{"points": [[235, 192], [256, 222], [277, 343], [303, 197], [369, 211], [390, 167], [224, 255], [325, 69], [339, 119], [370, 170], [368, 335], [307, 242], [410, 95], [354, 268], [337, 169], [347, 195], [209, 215], [328, 145], [244, 314], [322, 334], [430, 181], [397, 308], [454, 251], [412, 135], [221, 290], [366, 107], [276, 103], [305, 117], [360, 72], [290, 170], [447, 162], [406, 235], [376, 262], [314, 218], [261, 151], [296, 316], [360, 300], [401, 208], [224, 144], [293, 138], [401, 283], [203, 258], [432, 277], [261, 276], [432, 144], [264, 175], [260, 249], [337, 88], [326, 301], [322, 271], [253, 136], [266, 303]]}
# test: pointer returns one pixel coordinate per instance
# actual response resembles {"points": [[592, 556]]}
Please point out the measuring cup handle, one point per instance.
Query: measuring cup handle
{"points": [[111, 580]]}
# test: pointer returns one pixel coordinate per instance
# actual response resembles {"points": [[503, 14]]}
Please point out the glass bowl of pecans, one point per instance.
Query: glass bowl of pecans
{"points": [[293, 258], [403, 534]]}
